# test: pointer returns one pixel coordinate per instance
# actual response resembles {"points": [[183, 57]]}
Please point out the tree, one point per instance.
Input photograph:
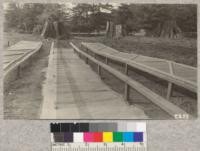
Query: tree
{"points": [[163, 20], [13, 15], [88, 18], [24, 16], [54, 18], [123, 16], [29, 17], [80, 19]]}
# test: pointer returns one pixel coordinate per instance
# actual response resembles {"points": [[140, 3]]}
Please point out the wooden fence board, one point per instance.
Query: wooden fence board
{"points": [[11, 53]]}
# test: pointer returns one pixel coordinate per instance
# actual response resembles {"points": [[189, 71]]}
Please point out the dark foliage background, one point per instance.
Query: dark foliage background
{"points": [[156, 19]]}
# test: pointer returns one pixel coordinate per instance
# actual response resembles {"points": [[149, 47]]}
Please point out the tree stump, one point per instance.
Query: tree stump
{"points": [[169, 29]]}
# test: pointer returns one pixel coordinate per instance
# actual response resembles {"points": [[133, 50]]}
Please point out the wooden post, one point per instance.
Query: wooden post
{"points": [[170, 85], [79, 54], [18, 71], [99, 70], [8, 43], [169, 90], [126, 90], [126, 69], [86, 60], [106, 60]]}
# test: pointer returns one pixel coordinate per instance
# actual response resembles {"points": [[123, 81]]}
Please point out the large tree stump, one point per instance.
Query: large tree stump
{"points": [[169, 29], [49, 30], [113, 30], [55, 30]]}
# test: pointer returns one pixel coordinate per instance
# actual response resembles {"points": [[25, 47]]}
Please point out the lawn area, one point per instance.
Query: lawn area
{"points": [[178, 50]]}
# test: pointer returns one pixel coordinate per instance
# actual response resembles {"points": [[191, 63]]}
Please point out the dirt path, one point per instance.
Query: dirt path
{"points": [[24, 98]]}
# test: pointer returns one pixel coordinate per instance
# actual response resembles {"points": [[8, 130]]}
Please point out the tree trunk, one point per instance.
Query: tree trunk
{"points": [[110, 29], [169, 29], [55, 30], [49, 30], [55, 24], [25, 27], [44, 28]]}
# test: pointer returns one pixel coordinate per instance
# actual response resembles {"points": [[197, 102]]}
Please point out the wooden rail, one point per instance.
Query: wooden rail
{"points": [[167, 106], [18, 61]]}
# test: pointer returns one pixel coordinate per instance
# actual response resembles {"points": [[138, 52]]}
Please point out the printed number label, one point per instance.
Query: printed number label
{"points": [[181, 116]]}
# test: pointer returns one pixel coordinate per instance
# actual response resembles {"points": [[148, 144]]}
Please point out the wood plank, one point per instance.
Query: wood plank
{"points": [[22, 45], [96, 46], [12, 53], [19, 60], [109, 51], [141, 58], [100, 47], [185, 72], [160, 65], [126, 55], [10, 58]]}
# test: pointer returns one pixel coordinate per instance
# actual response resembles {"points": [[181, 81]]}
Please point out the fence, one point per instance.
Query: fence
{"points": [[167, 106], [21, 55]]}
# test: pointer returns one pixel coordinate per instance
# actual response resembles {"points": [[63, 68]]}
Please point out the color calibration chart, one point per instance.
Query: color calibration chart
{"points": [[127, 136]]}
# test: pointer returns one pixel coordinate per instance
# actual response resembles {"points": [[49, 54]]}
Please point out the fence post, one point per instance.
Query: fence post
{"points": [[106, 60], [94, 55], [170, 85], [126, 90], [18, 71], [86, 59], [79, 55], [169, 90], [99, 70]]}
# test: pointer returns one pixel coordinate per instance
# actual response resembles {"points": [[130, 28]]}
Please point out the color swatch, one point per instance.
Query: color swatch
{"points": [[97, 132]]}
